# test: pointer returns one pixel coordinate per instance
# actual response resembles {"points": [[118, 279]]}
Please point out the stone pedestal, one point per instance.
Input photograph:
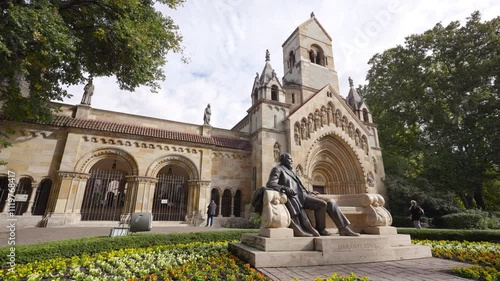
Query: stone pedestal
{"points": [[304, 251]]}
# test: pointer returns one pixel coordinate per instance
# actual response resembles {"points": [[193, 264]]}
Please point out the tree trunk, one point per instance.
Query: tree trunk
{"points": [[478, 197], [467, 200]]}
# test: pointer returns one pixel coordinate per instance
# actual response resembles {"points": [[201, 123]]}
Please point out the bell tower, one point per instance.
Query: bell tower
{"points": [[308, 62]]}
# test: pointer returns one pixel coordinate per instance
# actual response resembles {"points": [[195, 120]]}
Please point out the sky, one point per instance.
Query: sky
{"points": [[226, 41]]}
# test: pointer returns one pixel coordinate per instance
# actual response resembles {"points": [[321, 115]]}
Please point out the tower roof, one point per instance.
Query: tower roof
{"points": [[354, 100], [303, 25], [268, 71]]}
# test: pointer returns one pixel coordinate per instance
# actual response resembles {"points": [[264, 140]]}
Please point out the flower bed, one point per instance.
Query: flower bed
{"points": [[484, 255]]}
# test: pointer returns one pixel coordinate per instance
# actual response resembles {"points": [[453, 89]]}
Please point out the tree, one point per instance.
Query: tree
{"points": [[436, 99], [47, 44]]}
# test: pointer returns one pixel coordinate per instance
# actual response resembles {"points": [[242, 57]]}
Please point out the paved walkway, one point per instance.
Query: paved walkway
{"points": [[412, 270]]}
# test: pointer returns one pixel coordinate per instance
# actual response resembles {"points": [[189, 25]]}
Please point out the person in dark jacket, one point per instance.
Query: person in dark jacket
{"points": [[211, 209], [416, 213], [283, 179]]}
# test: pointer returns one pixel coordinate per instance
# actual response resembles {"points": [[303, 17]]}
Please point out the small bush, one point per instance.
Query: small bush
{"points": [[471, 219]]}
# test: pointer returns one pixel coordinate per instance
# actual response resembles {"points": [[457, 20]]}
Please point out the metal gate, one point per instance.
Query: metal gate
{"points": [[104, 195], [170, 198], [23, 195]]}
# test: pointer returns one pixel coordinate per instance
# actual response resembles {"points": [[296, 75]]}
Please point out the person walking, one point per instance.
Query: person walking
{"points": [[211, 209], [416, 213]]}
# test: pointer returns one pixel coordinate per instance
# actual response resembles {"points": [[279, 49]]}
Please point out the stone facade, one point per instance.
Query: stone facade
{"points": [[90, 166]]}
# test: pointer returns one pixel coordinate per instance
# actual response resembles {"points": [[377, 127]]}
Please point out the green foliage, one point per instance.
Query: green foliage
{"points": [[436, 100], [4, 143], [402, 190], [471, 219], [54, 43], [452, 234], [90, 246], [478, 273], [336, 277]]}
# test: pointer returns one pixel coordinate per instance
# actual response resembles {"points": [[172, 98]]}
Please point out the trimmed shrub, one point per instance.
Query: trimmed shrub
{"points": [[93, 245], [452, 234], [470, 219]]}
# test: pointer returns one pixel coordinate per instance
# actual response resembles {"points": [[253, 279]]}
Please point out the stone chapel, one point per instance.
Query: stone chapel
{"points": [[95, 167]]}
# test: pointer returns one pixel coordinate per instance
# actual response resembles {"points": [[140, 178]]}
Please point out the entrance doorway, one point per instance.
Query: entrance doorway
{"points": [[171, 195]]}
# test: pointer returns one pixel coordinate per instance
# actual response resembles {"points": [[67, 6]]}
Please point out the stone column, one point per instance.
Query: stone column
{"points": [[140, 194], [198, 201], [66, 198], [34, 188]]}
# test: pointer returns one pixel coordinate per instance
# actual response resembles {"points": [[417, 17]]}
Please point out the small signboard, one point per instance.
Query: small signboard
{"points": [[21, 198], [164, 201]]}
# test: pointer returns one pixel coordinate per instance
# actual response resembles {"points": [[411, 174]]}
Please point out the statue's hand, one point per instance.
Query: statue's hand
{"points": [[289, 191]]}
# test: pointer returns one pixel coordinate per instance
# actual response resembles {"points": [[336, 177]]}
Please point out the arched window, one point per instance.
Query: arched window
{"points": [[237, 204], [291, 59], [316, 55], [214, 195], [365, 115], [274, 92], [226, 203], [293, 98], [42, 197], [24, 188]]}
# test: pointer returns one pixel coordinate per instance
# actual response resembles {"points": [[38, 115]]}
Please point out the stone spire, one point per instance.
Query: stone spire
{"points": [[354, 100]]}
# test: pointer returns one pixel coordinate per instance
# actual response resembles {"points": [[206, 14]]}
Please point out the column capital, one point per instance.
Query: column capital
{"points": [[73, 175]]}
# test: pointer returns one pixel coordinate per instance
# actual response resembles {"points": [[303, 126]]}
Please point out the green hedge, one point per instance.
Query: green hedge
{"points": [[471, 219], [77, 247], [452, 234]]}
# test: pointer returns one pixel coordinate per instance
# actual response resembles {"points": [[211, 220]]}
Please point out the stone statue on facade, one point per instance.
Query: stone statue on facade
{"points": [[207, 115], [88, 91]]}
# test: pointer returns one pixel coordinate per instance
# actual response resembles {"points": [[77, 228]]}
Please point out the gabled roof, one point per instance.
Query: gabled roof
{"points": [[354, 100], [105, 126], [313, 18]]}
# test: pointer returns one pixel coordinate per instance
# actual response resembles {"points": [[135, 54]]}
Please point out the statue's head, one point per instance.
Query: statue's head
{"points": [[286, 160]]}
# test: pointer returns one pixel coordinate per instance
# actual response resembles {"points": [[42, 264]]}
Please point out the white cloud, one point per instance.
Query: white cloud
{"points": [[226, 42]]}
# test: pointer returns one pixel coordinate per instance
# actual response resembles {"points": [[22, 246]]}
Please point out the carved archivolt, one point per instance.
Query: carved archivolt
{"points": [[147, 145], [333, 156], [176, 160], [88, 160]]}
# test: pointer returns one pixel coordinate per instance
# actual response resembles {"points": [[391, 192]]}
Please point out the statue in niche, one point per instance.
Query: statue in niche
{"points": [[303, 130], [207, 115], [351, 130], [88, 92], [296, 134], [324, 117], [298, 171], [370, 180], [316, 121], [356, 139], [338, 119], [364, 145], [277, 152]]}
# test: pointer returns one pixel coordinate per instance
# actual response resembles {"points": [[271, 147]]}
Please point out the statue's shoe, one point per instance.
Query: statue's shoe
{"points": [[346, 231], [324, 233]]}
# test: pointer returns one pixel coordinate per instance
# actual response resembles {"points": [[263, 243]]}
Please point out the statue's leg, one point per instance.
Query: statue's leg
{"points": [[297, 229], [336, 214], [319, 208], [306, 224]]}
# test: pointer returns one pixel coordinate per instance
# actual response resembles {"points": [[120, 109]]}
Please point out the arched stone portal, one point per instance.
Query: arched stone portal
{"points": [[171, 194], [334, 168]]}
